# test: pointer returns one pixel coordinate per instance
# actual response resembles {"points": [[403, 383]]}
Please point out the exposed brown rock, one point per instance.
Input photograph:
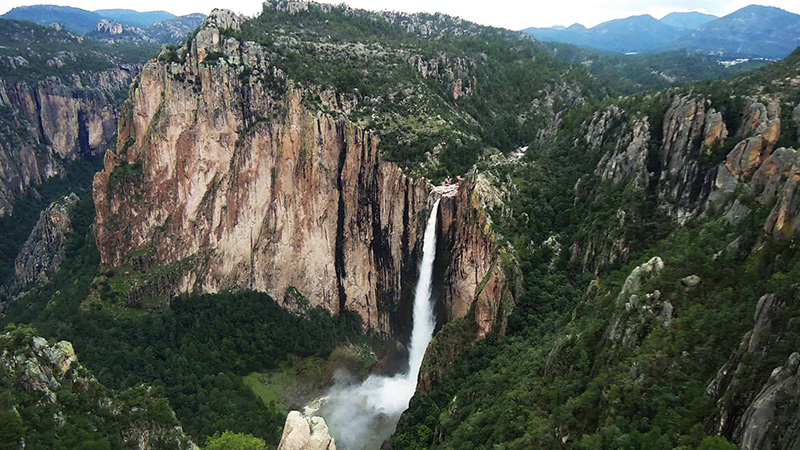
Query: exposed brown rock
{"points": [[223, 174], [481, 281]]}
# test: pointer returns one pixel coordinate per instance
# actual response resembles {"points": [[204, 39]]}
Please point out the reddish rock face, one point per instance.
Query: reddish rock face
{"points": [[222, 176]]}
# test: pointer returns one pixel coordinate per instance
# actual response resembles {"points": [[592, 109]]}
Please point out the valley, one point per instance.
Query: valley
{"points": [[324, 227]]}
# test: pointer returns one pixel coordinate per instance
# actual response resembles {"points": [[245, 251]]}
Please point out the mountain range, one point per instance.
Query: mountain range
{"points": [[198, 241], [751, 32], [115, 25]]}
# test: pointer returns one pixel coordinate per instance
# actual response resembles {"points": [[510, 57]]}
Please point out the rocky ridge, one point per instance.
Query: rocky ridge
{"points": [[47, 377], [42, 253], [222, 175], [752, 174]]}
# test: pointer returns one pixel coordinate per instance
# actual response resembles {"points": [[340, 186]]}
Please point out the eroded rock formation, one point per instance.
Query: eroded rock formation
{"points": [[41, 255], [223, 176], [305, 433], [53, 120], [757, 415], [679, 174]]}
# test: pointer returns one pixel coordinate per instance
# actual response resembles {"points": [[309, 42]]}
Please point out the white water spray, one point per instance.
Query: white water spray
{"points": [[362, 416]]}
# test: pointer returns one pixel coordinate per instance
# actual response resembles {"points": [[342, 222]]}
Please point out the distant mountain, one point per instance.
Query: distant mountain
{"points": [[135, 18], [687, 20], [112, 25], [176, 29], [751, 32], [634, 34], [76, 20]]}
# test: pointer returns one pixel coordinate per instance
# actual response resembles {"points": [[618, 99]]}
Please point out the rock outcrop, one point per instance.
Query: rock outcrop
{"points": [[46, 377], [759, 416], [305, 433], [765, 420], [47, 122], [224, 176], [680, 177], [42, 253], [474, 279], [636, 309], [691, 127]]}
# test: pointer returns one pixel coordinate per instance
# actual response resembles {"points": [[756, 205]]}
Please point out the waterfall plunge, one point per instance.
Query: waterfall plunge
{"points": [[362, 416]]}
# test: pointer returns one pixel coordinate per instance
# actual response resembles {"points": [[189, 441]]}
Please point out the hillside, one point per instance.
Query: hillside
{"points": [[659, 309], [753, 31], [633, 74], [75, 19], [135, 18], [687, 20], [58, 99], [610, 241], [51, 401], [146, 29]]}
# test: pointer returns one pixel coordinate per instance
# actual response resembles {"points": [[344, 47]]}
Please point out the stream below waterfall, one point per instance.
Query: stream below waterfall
{"points": [[362, 416]]}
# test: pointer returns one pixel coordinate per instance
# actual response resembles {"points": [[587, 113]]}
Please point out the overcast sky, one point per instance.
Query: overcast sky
{"points": [[513, 14]]}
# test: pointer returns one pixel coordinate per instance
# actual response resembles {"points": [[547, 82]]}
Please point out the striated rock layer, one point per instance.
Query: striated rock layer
{"points": [[53, 120], [222, 175]]}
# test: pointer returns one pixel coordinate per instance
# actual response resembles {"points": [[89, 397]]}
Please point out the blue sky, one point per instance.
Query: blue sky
{"points": [[513, 14]]}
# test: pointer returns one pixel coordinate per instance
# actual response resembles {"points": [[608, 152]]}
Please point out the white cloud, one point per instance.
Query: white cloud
{"points": [[514, 14]]}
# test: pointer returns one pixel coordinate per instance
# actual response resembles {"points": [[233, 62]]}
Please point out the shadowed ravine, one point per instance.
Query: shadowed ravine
{"points": [[361, 416]]}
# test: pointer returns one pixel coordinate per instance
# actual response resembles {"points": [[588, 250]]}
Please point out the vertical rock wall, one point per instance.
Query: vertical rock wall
{"points": [[44, 123]]}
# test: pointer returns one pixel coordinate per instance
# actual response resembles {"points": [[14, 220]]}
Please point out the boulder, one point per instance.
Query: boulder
{"points": [[690, 281], [305, 433]]}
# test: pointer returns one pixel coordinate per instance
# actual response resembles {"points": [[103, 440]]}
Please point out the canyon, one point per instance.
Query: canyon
{"points": [[222, 175], [427, 232]]}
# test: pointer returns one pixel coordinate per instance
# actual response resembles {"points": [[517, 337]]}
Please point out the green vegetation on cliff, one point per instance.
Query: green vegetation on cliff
{"points": [[195, 351], [32, 52], [48, 400], [450, 91], [589, 363]]}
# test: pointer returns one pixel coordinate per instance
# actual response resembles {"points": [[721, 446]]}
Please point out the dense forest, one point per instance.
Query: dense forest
{"points": [[458, 99], [194, 352], [558, 378]]}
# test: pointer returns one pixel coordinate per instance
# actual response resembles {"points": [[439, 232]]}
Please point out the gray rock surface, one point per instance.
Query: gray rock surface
{"points": [[305, 433], [42, 253]]}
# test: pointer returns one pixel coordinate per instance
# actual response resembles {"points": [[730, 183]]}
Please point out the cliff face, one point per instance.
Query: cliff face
{"points": [[468, 255], [758, 415], [223, 176], [41, 255], [480, 279], [47, 122]]}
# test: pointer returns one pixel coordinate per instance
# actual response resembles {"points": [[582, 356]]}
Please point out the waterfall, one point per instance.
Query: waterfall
{"points": [[362, 416], [424, 322]]}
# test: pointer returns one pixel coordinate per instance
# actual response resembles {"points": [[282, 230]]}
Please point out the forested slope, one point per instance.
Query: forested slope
{"points": [[656, 238]]}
